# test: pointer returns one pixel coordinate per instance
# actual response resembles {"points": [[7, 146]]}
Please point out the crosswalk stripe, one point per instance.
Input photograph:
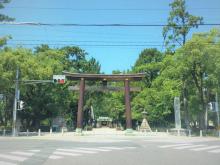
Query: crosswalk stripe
{"points": [[66, 153], [93, 149], [12, 157], [55, 157], [191, 146], [174, 145], [34, 150], [129, 147], [6, 163], [215, 151], [113, 148], [22, 153], [76, 150], [205, 148]]}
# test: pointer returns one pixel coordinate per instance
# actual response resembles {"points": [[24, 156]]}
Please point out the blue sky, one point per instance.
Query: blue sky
{"points": [[100, 12]]}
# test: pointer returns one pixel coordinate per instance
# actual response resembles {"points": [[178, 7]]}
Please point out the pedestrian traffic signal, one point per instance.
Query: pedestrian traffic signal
{"points": [[59, 79]]}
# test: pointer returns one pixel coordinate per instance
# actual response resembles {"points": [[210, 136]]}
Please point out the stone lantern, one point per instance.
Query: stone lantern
{"points": [[144, 125]]}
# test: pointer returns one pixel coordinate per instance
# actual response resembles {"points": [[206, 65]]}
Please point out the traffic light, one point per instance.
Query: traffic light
{"points": [[20, 105], [59, 79]]}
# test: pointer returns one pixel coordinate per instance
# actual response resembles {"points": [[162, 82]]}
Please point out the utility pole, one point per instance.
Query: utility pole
{"points": [[216, 106], [17, 93]]}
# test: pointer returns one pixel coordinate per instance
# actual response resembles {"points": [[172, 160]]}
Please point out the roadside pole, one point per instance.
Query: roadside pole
{"points": [[14, 129], [217, 112]]}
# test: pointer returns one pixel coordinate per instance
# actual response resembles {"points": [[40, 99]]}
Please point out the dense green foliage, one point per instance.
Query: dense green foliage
{"points": [[197, 62], [42, 101]]}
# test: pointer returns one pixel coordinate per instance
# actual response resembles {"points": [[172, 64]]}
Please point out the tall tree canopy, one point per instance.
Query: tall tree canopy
{"points": [[179, 23]]}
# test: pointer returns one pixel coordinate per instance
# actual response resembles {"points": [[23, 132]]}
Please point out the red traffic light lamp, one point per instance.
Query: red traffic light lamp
{"points": [[59, 79]]}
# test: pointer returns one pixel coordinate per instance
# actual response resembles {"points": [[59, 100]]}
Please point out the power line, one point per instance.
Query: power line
{"points": [[97, 45], [82, 41], [96, 25], [94, 41], [104, 9]]}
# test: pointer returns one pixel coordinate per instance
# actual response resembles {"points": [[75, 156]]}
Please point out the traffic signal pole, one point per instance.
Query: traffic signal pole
{"points": [[14, 129]]}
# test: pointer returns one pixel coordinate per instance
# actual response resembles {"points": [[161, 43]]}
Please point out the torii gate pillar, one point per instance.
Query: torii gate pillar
{"points": [[80, 106], [128, 106]]}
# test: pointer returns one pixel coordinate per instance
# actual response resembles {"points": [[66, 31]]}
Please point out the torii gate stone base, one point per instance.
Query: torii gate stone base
{"points": [[104, 79]]}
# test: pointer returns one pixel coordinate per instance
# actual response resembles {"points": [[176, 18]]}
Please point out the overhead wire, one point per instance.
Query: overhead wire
{"points": [[106, 9], [100, 25]]}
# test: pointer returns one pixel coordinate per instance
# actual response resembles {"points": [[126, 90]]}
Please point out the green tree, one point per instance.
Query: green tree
{"points": [[149, 62], [179, 23], [198, 60], [3, 40]]}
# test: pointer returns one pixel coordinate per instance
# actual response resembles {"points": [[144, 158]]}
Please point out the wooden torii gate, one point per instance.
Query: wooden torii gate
{"points": [[104, 78]]}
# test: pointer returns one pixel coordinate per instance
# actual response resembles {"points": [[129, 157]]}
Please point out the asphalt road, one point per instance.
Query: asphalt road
{"points": [[110, 151]]}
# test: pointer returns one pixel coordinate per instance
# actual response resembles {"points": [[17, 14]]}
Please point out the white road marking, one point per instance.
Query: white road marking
{"points": [[34, 150], [55, 157], [23, 153], [6, 163], [191, 146], [205, 148], [10, 157], [93, 149], [174, 145], [113, 148], [66, 153], [215, 151], [76, 150], [129, 147]]}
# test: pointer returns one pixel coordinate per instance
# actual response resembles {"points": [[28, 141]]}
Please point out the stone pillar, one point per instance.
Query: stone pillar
{"points": [[127, 106], [80, 106]]}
